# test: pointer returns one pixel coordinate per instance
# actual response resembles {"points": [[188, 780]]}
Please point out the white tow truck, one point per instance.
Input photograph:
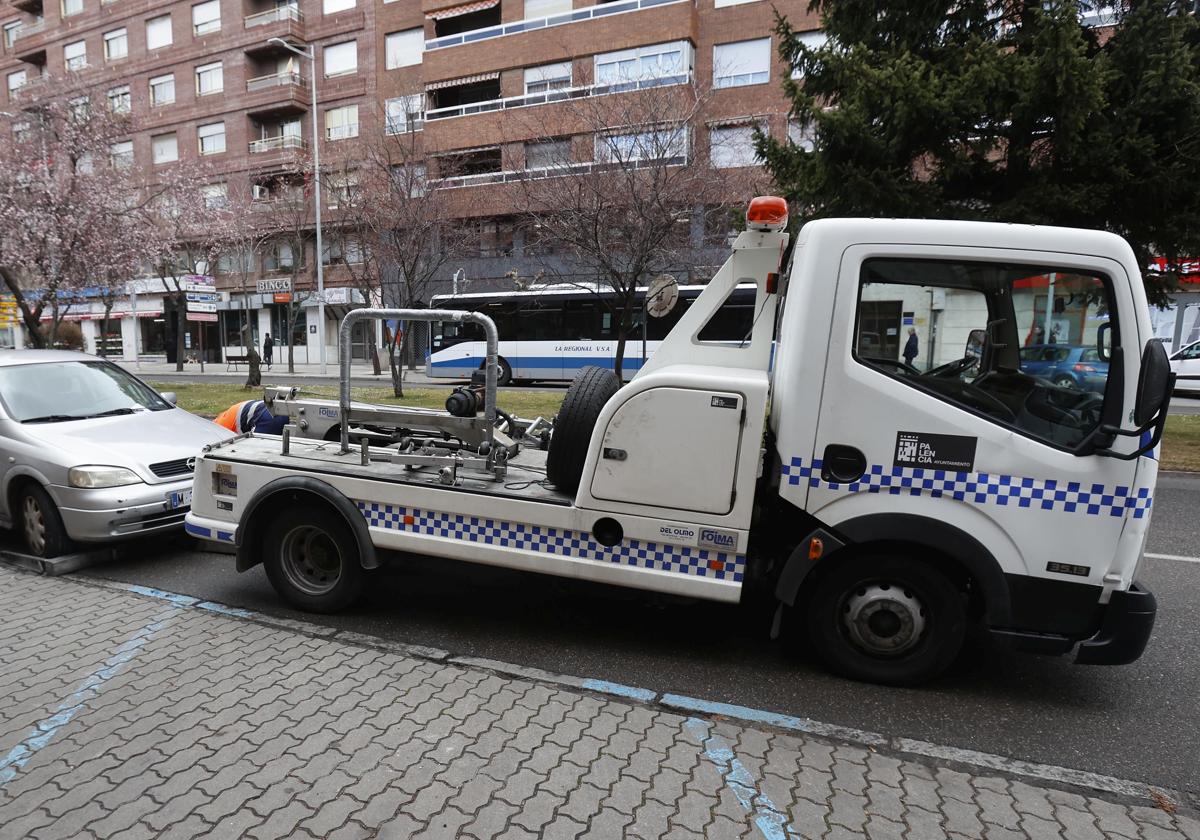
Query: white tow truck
{"points": [[872, 454]]}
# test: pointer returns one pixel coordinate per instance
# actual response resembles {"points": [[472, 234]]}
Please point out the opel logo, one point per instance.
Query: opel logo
{"points": [[191, 464]]}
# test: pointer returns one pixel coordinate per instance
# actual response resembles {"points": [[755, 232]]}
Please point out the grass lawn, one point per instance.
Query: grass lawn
{"points": [[1181, 443], [208, 399], [1180, 449]]}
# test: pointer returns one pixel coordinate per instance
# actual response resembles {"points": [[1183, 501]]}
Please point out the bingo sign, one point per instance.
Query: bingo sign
{"points": [[202, 298]]}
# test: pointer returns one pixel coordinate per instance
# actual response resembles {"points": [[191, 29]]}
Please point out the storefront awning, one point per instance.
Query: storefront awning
{"points": [[465, 9], [463, 80]]}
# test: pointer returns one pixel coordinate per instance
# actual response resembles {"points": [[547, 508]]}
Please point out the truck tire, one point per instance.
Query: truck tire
{"points": [[591, 388], [312, 559], [886, 619]]}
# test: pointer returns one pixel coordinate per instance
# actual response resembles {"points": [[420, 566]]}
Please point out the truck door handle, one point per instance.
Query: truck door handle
{"points": [[842, 464]]}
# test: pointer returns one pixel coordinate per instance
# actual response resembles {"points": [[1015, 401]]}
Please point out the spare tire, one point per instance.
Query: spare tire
{"points": [[590, 390]]}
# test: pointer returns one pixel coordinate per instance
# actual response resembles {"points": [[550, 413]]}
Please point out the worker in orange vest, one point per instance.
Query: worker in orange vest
{"points": [[251, 416]]}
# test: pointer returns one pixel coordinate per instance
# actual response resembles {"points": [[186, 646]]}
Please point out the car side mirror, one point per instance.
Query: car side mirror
{"points": [[975, 340], [1154, 383], [169, 396], [1104, 341]]}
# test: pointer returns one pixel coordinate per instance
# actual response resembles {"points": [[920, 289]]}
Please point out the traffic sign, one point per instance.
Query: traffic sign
{"points": [[197, 287], [193, 306], [203, 296], [210, 317], [274, 285]]}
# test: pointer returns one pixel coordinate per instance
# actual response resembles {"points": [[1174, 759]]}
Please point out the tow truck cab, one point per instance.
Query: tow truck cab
{"points": [[886, 502]]}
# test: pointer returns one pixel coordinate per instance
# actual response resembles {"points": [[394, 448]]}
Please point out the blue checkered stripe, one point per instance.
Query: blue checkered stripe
{"points": [[982, 488], [558, 542]]}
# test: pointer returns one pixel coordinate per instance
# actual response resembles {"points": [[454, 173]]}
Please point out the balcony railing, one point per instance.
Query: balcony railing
{"points": [[27, 29], [282, 141], [586, 13], [559, 95], [280, 13], [283, 79], [508, 177]]}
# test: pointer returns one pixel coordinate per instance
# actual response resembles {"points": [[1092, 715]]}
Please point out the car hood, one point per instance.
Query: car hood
{"points": [[134, 441]]}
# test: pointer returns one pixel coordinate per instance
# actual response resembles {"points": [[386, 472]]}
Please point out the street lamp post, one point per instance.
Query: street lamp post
{"points": [[311, 55]]}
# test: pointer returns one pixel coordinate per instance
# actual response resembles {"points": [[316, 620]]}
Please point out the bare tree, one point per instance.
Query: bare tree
{"points": [[291, 220], [69, 217], [250, 235], [622, 191]]}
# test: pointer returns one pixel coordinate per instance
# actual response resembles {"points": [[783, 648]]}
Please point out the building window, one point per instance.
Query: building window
{"points": [[331, 6], [742, 63], [731, 146], [404, 49], [116, 44], [342, 251], [158, 32], [341, 123], [80, 108], [279, 257], [658, 144], [545, 8], [75, 55], [1092, 15], [656, 61], [216, 196], [165, 148], [341, 59], [409, 180], [210, 78], [212, 138], [547, 154], [802, 135], [16, 81], [547, 77], [405, 113], [119, 101], [71, 7], [10, 32], [206, 17], [814, 40], [162, 89]]}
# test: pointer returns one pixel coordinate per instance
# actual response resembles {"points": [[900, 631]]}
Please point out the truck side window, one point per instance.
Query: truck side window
{"points": [[1013, 343]]}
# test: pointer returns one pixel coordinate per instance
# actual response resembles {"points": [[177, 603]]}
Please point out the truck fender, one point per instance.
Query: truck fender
{"points": [[248, 533], [907, 528]]}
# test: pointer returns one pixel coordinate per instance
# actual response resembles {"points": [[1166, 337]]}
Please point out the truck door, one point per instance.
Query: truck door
{"points": [[964, 435]]}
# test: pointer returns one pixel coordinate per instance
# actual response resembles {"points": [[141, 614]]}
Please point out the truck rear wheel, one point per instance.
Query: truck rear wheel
{"points": [[887, 619], [311, 559], [591, 388]]}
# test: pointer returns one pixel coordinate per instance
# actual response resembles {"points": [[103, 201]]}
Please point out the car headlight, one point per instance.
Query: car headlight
{"points": [[98, 476]]}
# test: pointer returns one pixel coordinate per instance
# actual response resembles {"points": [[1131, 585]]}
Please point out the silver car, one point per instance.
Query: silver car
{"points": [[90, 452]]}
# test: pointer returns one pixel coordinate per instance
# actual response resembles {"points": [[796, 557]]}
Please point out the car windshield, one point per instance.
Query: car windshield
{"points": [[58, 391]]}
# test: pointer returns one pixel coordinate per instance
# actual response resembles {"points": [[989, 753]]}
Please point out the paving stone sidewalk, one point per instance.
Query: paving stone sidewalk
{"points": [[124, 716]]}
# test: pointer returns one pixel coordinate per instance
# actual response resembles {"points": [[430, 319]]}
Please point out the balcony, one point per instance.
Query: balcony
{"points": [[514, 176], [34, 7], [27, 29], [280, 14], [557, 95], [277, 95], [517, 26], [281, 142], [273, 80]]}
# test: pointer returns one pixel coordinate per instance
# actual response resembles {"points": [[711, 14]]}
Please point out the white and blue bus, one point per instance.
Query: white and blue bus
{"points": [[550, 333]]}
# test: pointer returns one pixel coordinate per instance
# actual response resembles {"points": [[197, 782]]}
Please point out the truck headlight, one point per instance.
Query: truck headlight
{"points": [[100, 476]]}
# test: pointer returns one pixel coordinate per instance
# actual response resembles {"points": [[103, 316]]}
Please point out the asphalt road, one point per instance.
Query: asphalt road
{"points": [[1138, 722]]}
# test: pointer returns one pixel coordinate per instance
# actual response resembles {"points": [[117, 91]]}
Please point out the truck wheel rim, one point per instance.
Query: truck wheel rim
{"points": [[883, 619], [35, 524], [311, 560]]}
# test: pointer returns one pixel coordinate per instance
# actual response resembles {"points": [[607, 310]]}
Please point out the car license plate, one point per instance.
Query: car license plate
{"points": [[179, 498]]}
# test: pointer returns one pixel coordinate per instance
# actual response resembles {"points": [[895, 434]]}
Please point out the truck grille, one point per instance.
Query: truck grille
{"points": [[168, 469]]}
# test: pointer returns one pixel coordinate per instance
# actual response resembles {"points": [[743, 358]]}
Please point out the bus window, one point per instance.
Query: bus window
{"points": [[540, 323], [580, 320]]}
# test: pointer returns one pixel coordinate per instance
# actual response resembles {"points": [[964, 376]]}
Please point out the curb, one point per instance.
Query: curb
{"points": [[1063, 778]]}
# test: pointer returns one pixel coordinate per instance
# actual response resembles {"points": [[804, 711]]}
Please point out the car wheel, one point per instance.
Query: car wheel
{"points": [[42, 528], [1065, 382], [311, 558], [887, 619]]}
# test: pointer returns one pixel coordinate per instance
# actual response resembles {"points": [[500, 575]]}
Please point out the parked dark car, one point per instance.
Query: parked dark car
{"points": [[1066, 365]]}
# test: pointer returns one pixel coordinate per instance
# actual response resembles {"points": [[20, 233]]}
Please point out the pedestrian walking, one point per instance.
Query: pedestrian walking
{"points": [[910, 347], [268, 349]]}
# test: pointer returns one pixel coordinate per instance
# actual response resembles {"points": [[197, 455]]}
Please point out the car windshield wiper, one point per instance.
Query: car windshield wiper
{"points": [[52, 418], [112, 412]]}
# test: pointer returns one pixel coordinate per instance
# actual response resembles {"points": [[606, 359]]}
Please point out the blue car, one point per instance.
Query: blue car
{"points": [[1066, 365]]}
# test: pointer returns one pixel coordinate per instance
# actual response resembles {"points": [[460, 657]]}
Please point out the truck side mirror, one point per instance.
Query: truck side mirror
{"points": [[975, 340], [1154, 382], [1104, 341]]}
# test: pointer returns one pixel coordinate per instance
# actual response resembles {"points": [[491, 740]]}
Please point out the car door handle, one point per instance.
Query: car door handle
{"points": [[842, 464]]}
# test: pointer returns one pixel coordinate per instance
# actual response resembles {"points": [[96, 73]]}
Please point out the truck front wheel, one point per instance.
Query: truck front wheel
{"points": [[887, 619], [312, 559]]}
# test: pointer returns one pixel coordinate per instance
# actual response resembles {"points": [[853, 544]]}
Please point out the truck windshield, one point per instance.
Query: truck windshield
{"points": [[56, 392]]}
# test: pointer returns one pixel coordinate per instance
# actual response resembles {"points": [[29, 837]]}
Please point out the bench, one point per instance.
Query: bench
{"points": [[234, 361]]}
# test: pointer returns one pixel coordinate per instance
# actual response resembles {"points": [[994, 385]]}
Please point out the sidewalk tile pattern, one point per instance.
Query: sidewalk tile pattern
{"points": [[128, 717]]}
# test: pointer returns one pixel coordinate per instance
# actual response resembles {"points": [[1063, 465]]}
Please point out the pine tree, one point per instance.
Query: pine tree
{"points": [[1005, 112]]}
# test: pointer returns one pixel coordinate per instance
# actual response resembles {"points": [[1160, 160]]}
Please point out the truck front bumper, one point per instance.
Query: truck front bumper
{"points": [[1128, 621], [210, 529]]}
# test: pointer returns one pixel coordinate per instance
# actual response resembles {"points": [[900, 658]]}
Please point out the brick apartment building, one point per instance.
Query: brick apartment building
{"points": [[204, 80]]}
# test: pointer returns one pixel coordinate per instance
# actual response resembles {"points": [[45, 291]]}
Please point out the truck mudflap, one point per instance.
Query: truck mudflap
{"points": [[1128, 622]]}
